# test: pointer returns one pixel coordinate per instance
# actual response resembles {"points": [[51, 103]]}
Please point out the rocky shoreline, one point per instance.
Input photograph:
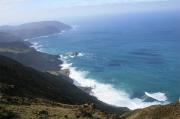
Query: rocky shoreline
{"points": [[65, 72], [23, 51]]}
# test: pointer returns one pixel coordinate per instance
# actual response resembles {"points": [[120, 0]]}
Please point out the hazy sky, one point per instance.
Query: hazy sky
{"points": [[17, 11]]}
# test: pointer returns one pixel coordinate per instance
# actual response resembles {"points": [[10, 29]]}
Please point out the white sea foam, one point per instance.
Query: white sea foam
{"points": [[36, 45], [72, 55], [157, 96], [80, 54], [105, 92]]}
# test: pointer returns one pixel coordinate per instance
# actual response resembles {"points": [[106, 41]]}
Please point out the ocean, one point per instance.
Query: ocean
{"points": [[130, 60]]}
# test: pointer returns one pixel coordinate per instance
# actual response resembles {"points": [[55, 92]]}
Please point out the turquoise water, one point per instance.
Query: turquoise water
{"points": [[128, 54]]}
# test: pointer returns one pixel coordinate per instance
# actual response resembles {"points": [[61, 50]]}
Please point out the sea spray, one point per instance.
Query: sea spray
{"points": [[104, 92], [159, 96], [36, 46], [126, 56]]}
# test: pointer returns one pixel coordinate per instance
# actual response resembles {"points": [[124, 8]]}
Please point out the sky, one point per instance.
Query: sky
{"points": [[19, 11]]}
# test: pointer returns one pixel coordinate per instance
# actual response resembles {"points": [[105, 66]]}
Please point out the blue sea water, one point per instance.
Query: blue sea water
{"points": [[130, 60]]}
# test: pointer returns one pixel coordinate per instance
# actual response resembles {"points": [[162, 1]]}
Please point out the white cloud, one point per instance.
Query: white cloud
{"points": [[31, 10]]}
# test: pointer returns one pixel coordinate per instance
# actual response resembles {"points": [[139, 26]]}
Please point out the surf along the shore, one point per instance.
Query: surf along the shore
{"points": [[104, 92]]}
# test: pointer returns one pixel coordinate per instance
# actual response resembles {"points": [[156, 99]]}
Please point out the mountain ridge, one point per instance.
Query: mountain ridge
{"points": [[35, 29]]}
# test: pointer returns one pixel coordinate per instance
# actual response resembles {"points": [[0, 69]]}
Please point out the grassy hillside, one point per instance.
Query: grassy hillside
{"points": [[24, 108], [21, 81], [22, 52], [170, 111], [13, 47]]}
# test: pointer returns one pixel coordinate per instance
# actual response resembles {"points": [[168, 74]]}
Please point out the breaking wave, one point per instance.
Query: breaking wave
{"points": [[36, 46], [157, 96], [106, 92]]}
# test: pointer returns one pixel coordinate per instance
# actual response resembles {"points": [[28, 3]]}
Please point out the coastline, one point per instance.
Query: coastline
{"points": [[55, 74], [63, 70], [100, 90]]}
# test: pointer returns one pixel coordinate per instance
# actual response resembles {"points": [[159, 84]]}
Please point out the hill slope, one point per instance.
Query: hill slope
{"points": [[22, 81], [22, 52], [170, 111], [7, 37]]}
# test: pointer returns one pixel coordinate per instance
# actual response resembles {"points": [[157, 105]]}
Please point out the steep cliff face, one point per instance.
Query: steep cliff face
{"points": [[35, 29]]}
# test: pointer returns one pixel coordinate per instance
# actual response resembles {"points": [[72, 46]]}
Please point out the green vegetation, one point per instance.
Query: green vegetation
{"points": [[170, 111], [43, 109], [22, 52], [26, 82]]}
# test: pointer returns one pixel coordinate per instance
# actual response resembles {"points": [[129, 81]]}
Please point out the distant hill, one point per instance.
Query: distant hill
{"points": [[19, 80], [35, 29]]}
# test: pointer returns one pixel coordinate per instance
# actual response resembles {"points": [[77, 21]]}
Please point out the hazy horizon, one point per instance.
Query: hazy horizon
{"points": [[21, 11]]}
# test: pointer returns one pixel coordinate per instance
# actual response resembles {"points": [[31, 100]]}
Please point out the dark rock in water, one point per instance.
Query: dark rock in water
{"points": [[76, 53], [72, 54]]}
